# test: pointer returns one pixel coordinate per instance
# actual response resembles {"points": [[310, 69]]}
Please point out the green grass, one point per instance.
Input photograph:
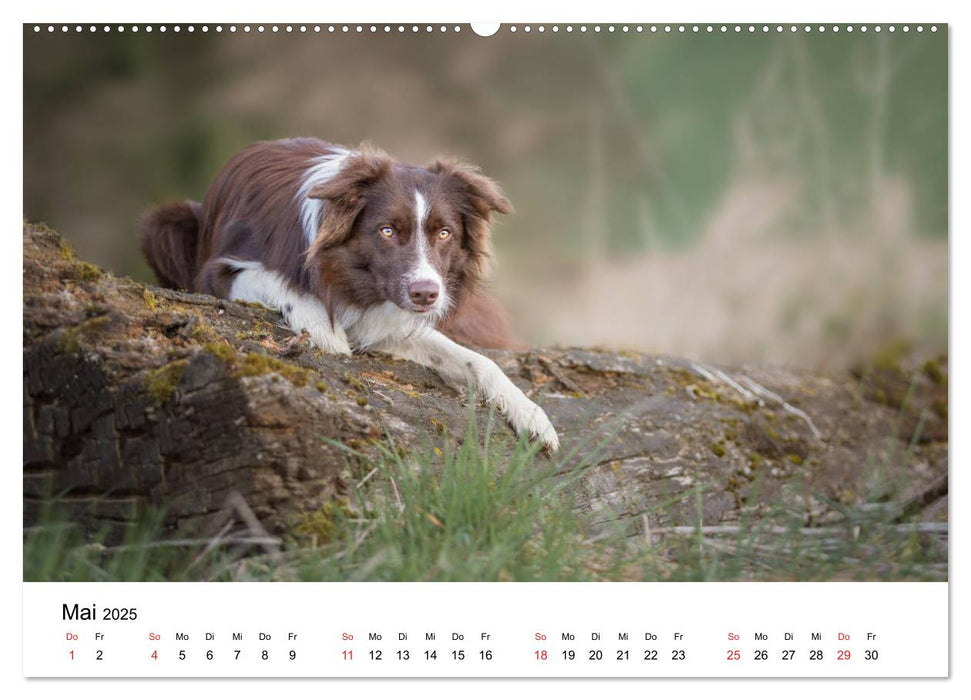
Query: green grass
{"points": [[474, 511]]}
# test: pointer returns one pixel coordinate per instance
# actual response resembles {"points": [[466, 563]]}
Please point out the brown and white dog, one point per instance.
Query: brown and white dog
{"points": [[362, 252]]}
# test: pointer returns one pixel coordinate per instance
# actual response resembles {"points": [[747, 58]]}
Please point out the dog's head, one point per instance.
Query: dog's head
{"points": [[417, 237]]}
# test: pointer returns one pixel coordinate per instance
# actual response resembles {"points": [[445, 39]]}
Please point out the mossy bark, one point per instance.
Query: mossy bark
{"points": [[136, 396]]}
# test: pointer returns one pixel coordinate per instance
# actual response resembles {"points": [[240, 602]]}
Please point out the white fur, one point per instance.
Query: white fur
{"points": [[458, 364], [321, 169], [384, 323], [253, 282], [423, 270]]}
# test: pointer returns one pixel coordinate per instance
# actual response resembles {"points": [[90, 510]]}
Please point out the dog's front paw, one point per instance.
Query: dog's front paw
{"points": [[529, 419], [331, 344], [332, 340]]}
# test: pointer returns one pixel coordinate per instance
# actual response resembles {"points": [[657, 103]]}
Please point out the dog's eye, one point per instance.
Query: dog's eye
{"points": [[386, 231], [444, 234]]}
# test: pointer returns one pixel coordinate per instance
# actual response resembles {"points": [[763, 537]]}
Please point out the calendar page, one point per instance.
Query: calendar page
{"points": [[358, 350]]}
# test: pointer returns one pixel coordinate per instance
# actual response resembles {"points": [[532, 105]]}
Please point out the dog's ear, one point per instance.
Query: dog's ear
{"points": [[482, 195], [346, 194], [479, 197]]}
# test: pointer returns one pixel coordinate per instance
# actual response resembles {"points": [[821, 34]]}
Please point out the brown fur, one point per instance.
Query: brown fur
{"points": [[168, 236], [251, 212]]}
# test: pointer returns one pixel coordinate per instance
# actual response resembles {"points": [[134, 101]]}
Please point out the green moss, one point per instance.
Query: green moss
{"points": [[362, 401], [795, 459], [67, 252], [70, 340], [85, 271], [255, 364], [354, 382], [718, 448], [320, 524], [202, 332], [160, 383], [258, 331], [755, 460], [151, 303], [321, 387]]}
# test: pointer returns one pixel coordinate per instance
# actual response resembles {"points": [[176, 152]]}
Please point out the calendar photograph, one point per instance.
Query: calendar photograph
{"points": [[506, 303]]}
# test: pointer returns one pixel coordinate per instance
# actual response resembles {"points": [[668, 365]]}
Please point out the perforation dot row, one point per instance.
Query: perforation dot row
{"points": [[414, 28]]}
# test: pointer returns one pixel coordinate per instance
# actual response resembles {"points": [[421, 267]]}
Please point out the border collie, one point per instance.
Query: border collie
{"points": [[359, 250]]}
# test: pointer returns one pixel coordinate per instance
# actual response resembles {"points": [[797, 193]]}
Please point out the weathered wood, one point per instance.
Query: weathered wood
{"points": [[134, 396]]}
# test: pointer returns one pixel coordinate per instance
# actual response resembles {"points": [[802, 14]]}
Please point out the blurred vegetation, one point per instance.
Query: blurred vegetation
{"points": [[682, 153]]}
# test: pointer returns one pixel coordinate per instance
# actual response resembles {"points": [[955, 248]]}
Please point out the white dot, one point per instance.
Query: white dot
{"points": [[863, 28], [526, 29], [933, 27], [920, 27], [836, 28], [161, 29], [877, 28], [822, 28], [891, 28], [147, 29]]}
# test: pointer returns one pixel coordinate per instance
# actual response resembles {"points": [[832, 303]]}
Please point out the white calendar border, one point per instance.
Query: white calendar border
{"points": [[507, 10]]}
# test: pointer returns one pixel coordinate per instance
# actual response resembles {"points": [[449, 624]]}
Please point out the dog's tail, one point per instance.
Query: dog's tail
{"points": [[169, 237]]}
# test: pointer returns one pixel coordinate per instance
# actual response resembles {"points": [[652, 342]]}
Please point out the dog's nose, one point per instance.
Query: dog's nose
{"points": [[423, 292]]}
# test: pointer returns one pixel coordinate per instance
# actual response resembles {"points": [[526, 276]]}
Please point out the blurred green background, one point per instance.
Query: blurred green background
{"points": [[729, 197]]}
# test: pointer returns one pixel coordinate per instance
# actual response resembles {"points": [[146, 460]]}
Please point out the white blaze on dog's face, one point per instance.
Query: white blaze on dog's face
{"points": [[415, 237]]}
